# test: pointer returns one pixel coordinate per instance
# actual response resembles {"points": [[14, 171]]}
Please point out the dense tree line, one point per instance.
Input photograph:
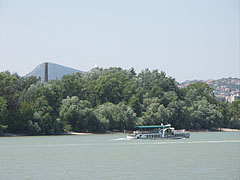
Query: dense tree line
{"points": [[108, 100]]}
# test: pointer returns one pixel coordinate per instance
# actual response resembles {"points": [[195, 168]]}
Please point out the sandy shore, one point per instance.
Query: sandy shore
{"points": [[77, 133], [81, 133], [228, 130]]}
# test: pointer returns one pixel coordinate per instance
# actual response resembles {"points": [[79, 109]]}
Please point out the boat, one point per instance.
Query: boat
{"points": [[158, 131]]}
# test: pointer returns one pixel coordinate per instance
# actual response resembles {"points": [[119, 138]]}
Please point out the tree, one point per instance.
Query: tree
{"points": [[201, 107], [204, 115], [43, 116], [29, 81], [108, 99], [178, 114], [3, 114], [47, 95], [147, 80], [24, 123], [115, 117], [234, 114], [10, 89], [11, 86], [44, 98], [200, 89], [155, 112], [73, 85], [78, 114], [134, 103], [109, 88]]}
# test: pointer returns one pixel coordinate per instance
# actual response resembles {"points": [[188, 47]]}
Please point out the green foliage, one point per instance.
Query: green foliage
{"points": [[178, 114], [10, 88], [135, 104], [73, 85], [234, 114], [77, 115], [44, 101], [204, 115], [155, 113], [147, 80], [29, 81], [108, 100], [115, 117], [109, 88], [26, 111], [3, 114]]}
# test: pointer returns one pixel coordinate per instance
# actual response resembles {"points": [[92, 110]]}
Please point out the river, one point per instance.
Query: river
{"points": [[206, 155]]}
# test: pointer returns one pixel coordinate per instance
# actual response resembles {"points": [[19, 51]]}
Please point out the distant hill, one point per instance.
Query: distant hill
{"points": [[222, 87], [55, 71], [233, 84]]}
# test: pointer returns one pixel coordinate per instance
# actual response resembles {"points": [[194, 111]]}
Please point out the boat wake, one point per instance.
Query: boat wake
{"points": [[223, 141], [122, 139], [162, 142]]}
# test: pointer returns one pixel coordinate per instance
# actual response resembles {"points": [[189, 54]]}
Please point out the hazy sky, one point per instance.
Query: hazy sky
{"points": [[188, 39]]}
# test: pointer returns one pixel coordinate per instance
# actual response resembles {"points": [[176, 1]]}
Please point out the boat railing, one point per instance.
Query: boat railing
{"points": [[145, 132]]}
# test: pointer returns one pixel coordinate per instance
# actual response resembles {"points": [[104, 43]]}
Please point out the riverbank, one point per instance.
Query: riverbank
{"points": [[61, 134], [12, 135], [77, 133], [217, 130], [111, 132], [228, 130]]}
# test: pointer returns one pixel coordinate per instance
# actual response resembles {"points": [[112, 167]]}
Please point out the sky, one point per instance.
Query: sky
{"points": [[187, 39]]}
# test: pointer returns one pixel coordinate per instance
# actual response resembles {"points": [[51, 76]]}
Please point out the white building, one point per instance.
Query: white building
{"points": [[232, 98]]}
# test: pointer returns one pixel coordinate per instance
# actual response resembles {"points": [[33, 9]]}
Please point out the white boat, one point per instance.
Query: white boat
{"points": [[158, 131]]}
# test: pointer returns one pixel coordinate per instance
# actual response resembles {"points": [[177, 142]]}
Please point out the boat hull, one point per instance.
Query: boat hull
{"points": [[158, 136]]}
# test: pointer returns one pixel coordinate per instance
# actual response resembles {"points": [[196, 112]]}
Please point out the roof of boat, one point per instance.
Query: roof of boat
{"points": [[154, 126]]}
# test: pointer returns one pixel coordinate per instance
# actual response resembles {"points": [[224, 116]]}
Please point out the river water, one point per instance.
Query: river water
{"points": [[206, 155]]}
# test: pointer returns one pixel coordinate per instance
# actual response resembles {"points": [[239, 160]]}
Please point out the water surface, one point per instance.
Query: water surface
{"points": [[208, 155]]}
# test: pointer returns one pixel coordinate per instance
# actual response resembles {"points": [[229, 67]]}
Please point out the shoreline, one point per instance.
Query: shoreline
{"points": [[217, 130], [228, 130], [71, 133]]}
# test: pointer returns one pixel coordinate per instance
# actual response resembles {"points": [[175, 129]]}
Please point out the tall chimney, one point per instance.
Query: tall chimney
{"points": [[46, 72]]}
